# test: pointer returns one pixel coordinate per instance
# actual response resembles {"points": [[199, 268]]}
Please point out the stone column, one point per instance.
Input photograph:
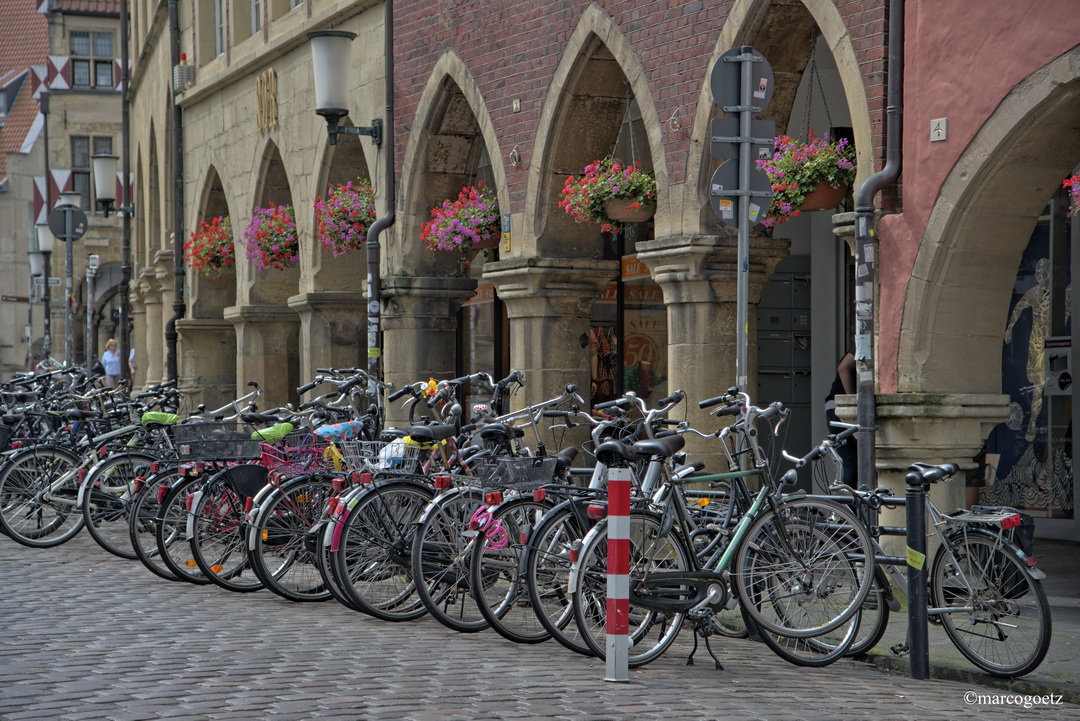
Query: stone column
{"points": [[549, 303], [267, 351], [698, 276], [207, 361], [928, 428], [333, 331], [151, 356], [419, 329], [138, 317]]}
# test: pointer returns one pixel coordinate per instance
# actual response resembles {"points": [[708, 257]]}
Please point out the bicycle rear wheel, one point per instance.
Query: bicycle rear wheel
{"points": [[652, 549], [106, 497], [39, 490], [171, 530], [805, 568], [144, 517], [999, 617], [497, 577], [282, 545], [217, 531]]}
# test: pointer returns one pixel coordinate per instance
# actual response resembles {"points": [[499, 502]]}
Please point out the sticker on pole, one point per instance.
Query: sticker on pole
{"points": [[915, 559]]}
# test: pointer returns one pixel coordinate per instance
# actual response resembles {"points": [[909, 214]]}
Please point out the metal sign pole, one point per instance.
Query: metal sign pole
{"points": [[742, 289], [68, 335]]}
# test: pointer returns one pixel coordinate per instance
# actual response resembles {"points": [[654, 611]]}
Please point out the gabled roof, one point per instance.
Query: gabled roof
{"points": [[83, 7], [24, 43]]}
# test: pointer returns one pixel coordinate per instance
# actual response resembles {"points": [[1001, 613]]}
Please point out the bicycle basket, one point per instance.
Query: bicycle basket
{"points": [[213, 442], [513, 473], [369, 456], [298, 452]]}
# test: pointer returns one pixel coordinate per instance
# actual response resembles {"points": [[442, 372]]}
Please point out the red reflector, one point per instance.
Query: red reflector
{"points": [[1011, 521], [162, 491], [248, 503], [573, 555], [1030, 560], [366, 478], [523, 537], [199, 466], [338, 484], [189, 501], [474, 525], [493, 498], [103, 451], [154, 467], [539, 494], [82, 475], [16, 444], [596, 512], [139, 481], [442, 482], [332, 504]]}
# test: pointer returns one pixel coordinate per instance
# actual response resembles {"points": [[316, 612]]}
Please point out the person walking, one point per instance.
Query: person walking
{"points": [[111, 360]]}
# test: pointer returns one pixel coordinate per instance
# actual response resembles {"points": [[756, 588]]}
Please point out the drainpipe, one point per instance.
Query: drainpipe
{"points": [[374, 280], [865, 255], [125, 171], [178, 204]]}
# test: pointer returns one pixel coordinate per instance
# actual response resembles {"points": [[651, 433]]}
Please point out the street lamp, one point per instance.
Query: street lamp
{"points": [[45, 247], [329, 64], [105, 181]]}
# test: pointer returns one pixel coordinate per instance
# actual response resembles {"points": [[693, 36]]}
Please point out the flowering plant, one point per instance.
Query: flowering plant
{"points": [[470, 222], [607, 179], [343, 216], [209, 250], [1073, 184], [271, 238], [796, 168]]}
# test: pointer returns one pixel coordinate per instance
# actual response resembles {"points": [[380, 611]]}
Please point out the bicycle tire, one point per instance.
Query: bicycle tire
{"points": [[820, 588], [547, 572], [497, 577], [652, 548], [217, 533], [171, 531], [105, 499], [39, 490], [282, 545], [817, 651], [873, 616], [997, 586], [371, 561], [440, 560], [143, 520]]}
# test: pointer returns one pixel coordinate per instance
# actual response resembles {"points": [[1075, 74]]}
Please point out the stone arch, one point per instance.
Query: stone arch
{"points": [[597, 78], [955, 305], [341, 163], [209, 296], [453, 143], [768, 26], [271, 186]]}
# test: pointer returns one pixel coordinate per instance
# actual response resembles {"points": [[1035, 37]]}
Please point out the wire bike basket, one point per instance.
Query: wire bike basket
{"points": [[510, 473], [380, 456], [214, 442]]}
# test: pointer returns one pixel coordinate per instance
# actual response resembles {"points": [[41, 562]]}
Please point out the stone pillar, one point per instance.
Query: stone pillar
{"points": [[698, 276], [151, 355], [207, 361], [928, 428], [138, 337], [333, 331], [419, 329], [267, 351], [549, 303]]}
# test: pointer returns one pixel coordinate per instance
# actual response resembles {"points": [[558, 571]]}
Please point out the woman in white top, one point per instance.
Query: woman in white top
{"points": [[111, 360]]}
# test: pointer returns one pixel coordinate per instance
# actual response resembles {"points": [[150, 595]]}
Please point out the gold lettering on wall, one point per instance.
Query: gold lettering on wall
{"points": [[266, 93]]}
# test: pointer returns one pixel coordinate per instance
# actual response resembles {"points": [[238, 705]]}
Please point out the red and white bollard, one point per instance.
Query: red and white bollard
{"points": [[618, 574]]}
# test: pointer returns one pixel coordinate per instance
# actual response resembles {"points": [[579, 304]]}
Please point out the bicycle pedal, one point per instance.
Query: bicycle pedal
{"points": [[900, 649]]}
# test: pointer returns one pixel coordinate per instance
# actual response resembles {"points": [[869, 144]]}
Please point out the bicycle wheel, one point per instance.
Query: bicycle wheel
{"points": [[171, 531], [497, 577], [440, 560], [281, 543], [105, 499], [999, 617], [371, 555], [547, 571], [813, 652], [805, 568], [143, 519], [873, 616], [39, 490], [217, 530], [652, 549]]}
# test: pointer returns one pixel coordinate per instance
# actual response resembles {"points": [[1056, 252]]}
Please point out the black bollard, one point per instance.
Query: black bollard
{"points": [[918, 631]]}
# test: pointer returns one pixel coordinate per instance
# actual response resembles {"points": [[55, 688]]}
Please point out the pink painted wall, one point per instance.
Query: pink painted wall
{"points": [[962, 57]]}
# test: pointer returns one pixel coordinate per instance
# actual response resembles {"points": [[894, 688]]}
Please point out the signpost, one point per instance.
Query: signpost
{"points": [[740, 193], [67, 222]]}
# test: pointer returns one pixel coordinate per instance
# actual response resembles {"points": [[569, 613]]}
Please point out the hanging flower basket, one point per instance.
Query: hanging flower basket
{"points": [[342, 218], [586, 198], [797, 169], [270, 238], [209, 251], [1073, 184], [824, 197], [470, 223]]}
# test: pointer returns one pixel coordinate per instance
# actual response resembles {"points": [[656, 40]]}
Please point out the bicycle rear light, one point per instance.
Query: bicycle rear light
{"points": [[539, 494], [247, 504], [154, 467], [442, 482], [338, 484], [1011, 521], [493, 498], [139, 481], [596, 513], [162, 491], [366, 478]]}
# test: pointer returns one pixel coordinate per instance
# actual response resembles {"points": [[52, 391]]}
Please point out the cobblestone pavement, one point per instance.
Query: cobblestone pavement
{"points": [[90, 636]]}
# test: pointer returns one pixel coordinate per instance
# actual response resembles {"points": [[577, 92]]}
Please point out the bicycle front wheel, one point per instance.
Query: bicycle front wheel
{"points": [[996, 614], [39, 492], [805, 568], [217, 533], [652, 549], [106, 498], [144, 517]]}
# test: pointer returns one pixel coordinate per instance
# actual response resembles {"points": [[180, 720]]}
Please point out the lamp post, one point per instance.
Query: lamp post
{"points": [[330, 61], [45, 247], [69, 202]]}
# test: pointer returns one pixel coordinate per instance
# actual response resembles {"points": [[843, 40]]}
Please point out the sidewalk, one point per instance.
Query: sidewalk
{"points": [[1059, 673]]}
